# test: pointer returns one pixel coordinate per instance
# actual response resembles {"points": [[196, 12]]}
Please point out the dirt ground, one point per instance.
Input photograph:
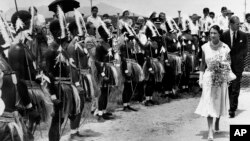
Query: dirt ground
{"points": [[174, 121]]}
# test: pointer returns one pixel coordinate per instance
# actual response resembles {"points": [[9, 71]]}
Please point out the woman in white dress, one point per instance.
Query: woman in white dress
{"points": [[214, 100]]}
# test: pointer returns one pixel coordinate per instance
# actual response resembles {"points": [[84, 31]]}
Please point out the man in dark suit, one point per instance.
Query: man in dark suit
{"points": [[237, 41]]}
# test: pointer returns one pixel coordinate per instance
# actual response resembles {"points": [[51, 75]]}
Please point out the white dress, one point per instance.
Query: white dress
{"points": [[214, 101]]}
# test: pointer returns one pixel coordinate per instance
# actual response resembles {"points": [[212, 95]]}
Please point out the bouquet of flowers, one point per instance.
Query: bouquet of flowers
{"points": [[220, 71]]}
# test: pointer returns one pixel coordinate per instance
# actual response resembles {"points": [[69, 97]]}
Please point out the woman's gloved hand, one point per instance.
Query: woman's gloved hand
{"points": [[201, 79]]}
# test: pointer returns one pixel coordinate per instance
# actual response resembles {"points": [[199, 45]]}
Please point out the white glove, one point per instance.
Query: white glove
{"points": [[201, 79]]}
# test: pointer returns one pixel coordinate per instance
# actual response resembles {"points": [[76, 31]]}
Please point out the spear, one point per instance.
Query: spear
{"points": [[179, 17], [91, 3], [16, 6], [245, 7]]}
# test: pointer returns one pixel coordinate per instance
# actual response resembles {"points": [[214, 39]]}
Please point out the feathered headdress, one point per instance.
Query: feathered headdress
{"points": [[19, 24], [79, 22], [5, 33], [61, 58], [129, 29], [106, 29], [62, 21], [25, 34], [32, 19], [9, 31], [153, 29], [172, 24], [186, 22]]}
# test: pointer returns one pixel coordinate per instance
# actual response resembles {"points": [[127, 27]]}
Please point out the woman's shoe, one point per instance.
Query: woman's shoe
{"points": [[148, 103], [210, 138], [217, 131]]}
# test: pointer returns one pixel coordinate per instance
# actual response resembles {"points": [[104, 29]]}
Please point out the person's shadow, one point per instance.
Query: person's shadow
{"points": [[221, 134], [238, 112], [88, 133]]}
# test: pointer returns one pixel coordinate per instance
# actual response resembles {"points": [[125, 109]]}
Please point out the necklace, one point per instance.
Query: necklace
{"points": [[215, 46]]}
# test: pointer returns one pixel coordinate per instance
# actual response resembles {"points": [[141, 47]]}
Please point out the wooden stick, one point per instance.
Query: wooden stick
{"points": [[16, 6]]}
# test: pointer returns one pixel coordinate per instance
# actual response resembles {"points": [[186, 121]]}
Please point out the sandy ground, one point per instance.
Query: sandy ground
{"points": [[174, 121]]}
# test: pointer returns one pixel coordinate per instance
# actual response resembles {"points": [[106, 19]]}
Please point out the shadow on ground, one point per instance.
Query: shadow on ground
{"points": [[87, 134], [221, 134], [238, 112]]}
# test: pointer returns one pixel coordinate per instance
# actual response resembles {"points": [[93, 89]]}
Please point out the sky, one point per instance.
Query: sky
{"points": [[146, 7]]}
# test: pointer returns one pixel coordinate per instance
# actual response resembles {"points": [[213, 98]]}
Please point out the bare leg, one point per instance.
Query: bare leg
{"points": [[210, 127], [217, 124]]}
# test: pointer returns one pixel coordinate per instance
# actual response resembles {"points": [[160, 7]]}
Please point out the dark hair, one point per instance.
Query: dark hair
{"points": [[88, 24], [211, 13], [94, 7], [232, 19], [103, 33], [223, 8], [72, 27], [162, 13], [216, 27], [123, 14], [105, 15], [34, 9], [54, 28], [24, 16], [206, 10], [153, 15], [247, 15], [160, 18]]}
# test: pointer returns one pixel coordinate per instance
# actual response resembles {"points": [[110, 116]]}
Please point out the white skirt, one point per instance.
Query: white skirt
{"points": [[214, 101]]}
